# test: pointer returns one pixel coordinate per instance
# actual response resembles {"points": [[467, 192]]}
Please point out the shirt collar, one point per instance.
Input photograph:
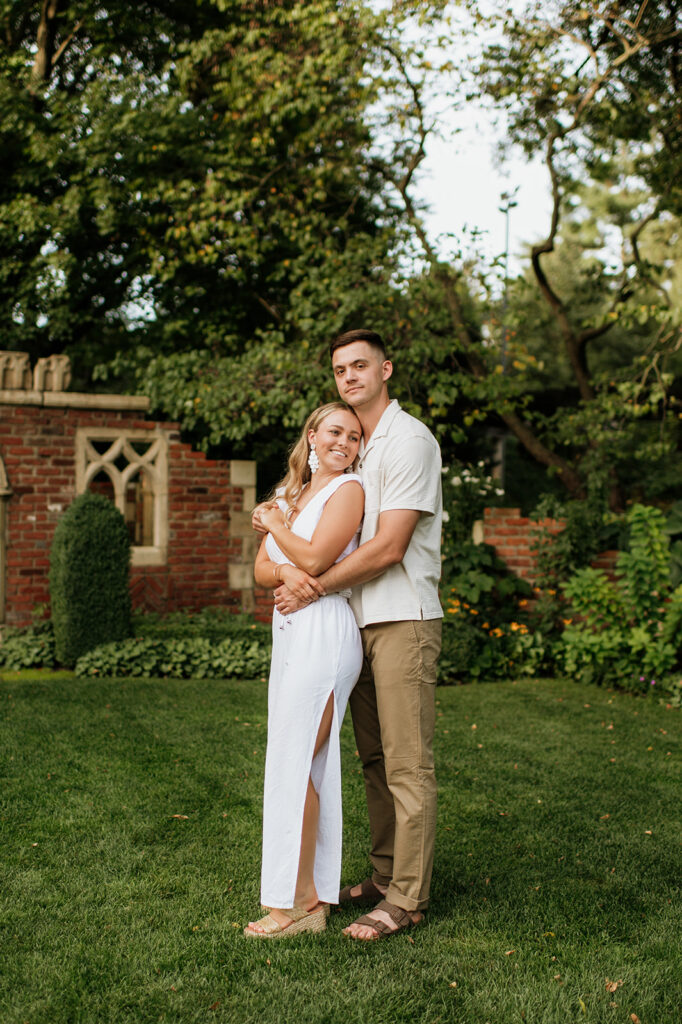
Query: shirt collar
{"points": [[382, 428]]}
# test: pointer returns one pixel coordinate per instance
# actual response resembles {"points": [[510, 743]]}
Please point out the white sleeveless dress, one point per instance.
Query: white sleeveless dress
{"points": [[316, 651]]}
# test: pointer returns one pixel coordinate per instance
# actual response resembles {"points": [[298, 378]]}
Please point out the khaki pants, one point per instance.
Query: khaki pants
{"points": [[393, 709]]}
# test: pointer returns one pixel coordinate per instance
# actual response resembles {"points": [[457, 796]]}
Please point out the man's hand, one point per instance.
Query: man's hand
{"points": [[298, 589], [256, 523]]}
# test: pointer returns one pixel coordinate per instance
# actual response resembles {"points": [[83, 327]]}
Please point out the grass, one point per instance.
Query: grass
{"points": [[130, 817]]}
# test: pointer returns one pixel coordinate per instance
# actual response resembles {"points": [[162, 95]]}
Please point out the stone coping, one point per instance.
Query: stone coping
{"points": [[75, 400]]}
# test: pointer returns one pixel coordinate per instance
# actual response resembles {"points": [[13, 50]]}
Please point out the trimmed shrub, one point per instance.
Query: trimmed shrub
{"points": [[89, 577], [191, 658], [213, 623]]}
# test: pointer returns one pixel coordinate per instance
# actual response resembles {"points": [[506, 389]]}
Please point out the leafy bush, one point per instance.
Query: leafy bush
{"points": [[475, 576], [89, 577], [213, 623], [474, 649], [32, 647], [590, 527], [626, 632], [195, 657], [467, 491], [673, 527]]}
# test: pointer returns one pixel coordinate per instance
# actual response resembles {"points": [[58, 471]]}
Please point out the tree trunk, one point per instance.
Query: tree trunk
{"points": [[41, 71]]}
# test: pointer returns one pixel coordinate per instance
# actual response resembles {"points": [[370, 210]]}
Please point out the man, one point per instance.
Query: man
{"points": [[394, 574]]}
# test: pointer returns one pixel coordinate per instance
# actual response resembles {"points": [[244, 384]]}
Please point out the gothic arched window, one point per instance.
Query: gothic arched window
{"points": [[131, 468]]}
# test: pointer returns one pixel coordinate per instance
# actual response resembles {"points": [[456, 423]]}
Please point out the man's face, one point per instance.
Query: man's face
{"points": [[360, 373]]}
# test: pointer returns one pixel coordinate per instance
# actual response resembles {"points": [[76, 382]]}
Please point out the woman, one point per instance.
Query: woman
{"points": [[316, 660]]}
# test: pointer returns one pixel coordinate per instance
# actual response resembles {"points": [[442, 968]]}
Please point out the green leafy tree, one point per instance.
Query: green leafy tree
{"points": [[594, 87], [187, 199]]}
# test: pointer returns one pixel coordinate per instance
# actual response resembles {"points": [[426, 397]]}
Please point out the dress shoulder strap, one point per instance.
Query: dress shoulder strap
{"points": [[333, 485]]}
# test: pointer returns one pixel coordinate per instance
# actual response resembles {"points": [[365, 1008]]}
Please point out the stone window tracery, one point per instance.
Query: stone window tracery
{"points": [[131, 468]]}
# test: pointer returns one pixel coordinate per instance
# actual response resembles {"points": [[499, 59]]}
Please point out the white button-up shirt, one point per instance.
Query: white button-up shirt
{"points": [[400, 467]]}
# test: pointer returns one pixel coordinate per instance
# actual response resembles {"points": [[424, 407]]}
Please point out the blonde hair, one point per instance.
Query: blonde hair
{"points": [[299, 473]]}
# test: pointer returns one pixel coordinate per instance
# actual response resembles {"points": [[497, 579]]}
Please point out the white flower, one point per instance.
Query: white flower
{"points": [[456, 481]]}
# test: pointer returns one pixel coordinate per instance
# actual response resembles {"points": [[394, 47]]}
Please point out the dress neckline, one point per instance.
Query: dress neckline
{"points": [[311, 500]]}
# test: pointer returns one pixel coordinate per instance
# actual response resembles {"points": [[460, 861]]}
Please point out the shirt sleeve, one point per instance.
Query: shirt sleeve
{"points": [[411, 476]]}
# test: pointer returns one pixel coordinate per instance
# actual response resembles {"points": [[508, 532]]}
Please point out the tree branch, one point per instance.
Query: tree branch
{"points": [[62, 49]]}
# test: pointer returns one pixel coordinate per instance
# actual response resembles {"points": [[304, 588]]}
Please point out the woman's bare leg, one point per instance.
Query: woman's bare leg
{"points": [[306, 893]]}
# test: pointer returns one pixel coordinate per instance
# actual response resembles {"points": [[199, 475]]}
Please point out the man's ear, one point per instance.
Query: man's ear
{"points": [[386, 369]]}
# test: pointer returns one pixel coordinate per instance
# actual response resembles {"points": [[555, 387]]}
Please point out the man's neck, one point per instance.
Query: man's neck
{"points": [[370, 416]]}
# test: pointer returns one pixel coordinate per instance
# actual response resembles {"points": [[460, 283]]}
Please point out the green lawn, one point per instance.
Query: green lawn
{"points": [[130, 847]]}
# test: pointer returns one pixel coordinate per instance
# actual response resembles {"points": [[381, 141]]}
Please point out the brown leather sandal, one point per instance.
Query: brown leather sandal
{"points": [[368, 894], [399, 916]]}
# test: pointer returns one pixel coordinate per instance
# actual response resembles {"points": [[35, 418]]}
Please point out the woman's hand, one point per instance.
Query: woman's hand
{"points": [[271, 516], [257, 514], [303, 587]]}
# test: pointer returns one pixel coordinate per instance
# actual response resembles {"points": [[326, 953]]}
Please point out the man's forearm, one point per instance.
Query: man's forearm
{"points": [[365, 563]]}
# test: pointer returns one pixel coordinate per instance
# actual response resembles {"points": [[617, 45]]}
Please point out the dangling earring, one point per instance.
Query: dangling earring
{"points": [[313, 460]]}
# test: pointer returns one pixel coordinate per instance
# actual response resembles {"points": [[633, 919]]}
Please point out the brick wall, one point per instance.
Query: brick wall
{"points": [[209, 552], [512, 535]]}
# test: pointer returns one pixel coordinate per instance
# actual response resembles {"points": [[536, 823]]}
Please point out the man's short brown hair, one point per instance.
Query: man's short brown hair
{"points": [[348, 337]]}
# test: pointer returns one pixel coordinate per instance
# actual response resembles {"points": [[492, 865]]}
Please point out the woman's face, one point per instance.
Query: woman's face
{"points": [[337, 440]]}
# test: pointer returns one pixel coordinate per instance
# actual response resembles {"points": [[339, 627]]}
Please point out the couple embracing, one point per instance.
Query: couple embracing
{"points": [[354, 560]]}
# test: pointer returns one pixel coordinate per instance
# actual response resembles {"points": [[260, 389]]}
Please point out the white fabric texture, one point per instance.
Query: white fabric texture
{"points": [[400, 468], [316, 652]]}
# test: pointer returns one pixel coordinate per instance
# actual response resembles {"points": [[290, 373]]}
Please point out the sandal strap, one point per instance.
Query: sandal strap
{"points": [[368, 893], [399, 916]]}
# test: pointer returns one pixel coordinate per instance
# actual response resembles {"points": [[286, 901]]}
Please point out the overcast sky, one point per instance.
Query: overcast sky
{"points": [[463, 180]]}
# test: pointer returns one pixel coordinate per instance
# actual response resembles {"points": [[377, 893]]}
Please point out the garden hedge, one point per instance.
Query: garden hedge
{"points": [[89, 577]]}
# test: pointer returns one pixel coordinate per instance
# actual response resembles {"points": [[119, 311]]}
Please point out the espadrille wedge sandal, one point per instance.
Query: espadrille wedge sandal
{"points": [[301, 921]]}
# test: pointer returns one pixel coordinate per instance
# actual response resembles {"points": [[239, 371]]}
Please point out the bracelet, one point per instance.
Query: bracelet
{"points": [[277, 572]]}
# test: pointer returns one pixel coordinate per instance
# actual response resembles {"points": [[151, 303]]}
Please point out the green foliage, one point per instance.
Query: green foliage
{"points": [[33, 647], [627, 631], [473, 575], [467, 491], [644, 566], [476, 651], [589, 528], [191, 203], [89, 577], [194, 657], [673, 527], [211, 623], [578, 359]]}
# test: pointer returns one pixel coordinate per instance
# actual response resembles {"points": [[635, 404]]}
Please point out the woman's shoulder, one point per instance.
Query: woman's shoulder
{"points": [[337, 490], [345, 478]]}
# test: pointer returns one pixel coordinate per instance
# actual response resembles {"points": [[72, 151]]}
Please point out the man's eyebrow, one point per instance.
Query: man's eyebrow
{"points": [[353, 362]]}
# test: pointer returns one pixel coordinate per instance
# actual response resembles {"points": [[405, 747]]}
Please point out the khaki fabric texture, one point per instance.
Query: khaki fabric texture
{"points": [[393, 709]]}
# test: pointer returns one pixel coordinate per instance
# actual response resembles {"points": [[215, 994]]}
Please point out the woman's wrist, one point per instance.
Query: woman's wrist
{"points": [[277, 573]]}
